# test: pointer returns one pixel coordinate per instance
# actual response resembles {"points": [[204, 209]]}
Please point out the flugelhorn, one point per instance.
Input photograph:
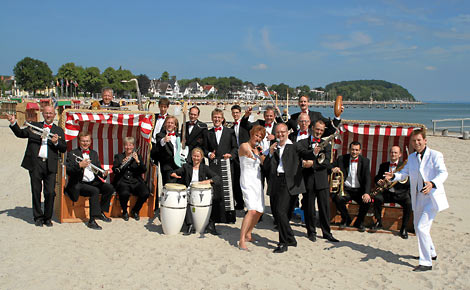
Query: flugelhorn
{"points": [[325, 141], [337, 183], [39, 131], [93, 167]]}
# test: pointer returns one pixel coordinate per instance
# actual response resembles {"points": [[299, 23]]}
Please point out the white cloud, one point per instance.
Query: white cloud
{"points": [[430, 68], [260, 66]]}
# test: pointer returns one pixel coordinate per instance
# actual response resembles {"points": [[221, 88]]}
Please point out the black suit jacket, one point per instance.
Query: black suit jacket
{"points": [[112, 104], [228, 143], [196, 138], [75, 173], [317, 176], [363, 170], [163, 154], [131, 173], [293, 135], [34, 144], [243, 134], [291, 160], [401, 189], [314, 117], [186, 173]]}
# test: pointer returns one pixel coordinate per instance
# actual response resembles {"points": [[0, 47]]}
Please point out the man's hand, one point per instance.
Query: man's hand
{"points": [[248, 111], [212, 155], [11, 118], [55, 138], [106, 173], [174, 175], [389, 175], [207, 181], [381, 182], [336, 169], [227, 155], [366, 198], [84, 163], [272, 148], [271, 137], [427, 187], [307, 163], [167, 138], [316, 150]]}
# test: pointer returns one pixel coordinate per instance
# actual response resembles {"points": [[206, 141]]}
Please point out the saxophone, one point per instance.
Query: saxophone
{"points": [[387, 183]]}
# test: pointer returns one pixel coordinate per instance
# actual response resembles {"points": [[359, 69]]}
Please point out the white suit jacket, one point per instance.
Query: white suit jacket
{"points": [[432, 168]]}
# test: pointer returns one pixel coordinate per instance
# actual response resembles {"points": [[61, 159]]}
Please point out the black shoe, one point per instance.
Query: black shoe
{"points": [[135, 215], [280, 249], [331, 238], [189, 230], [292, 244], [211, 229], [239, 207], [312, 238], [93, 225], [360, 227], [345, 223], [432, 258], [103, 218], [422, 268], [48, 223], [38, 222], [377, 226], [404, 234], [125, 216]]}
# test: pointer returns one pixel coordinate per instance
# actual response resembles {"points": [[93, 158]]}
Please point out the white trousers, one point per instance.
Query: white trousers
{"points": [[424, 214]]}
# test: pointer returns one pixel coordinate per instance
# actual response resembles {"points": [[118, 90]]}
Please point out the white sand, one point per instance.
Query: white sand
{"points": [[136, 255]]}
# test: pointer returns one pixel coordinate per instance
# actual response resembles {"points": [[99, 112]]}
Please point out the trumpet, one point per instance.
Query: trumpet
{"points": [[337, 183], [325, 141], [39, 131], [95, 169]]}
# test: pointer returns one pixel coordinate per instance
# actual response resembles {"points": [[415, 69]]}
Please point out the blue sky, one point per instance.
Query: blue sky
{"points": [[422, 45]]}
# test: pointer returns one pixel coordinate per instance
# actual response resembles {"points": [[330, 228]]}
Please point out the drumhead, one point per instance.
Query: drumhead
{"points": [[200, 185], [175, 186]]}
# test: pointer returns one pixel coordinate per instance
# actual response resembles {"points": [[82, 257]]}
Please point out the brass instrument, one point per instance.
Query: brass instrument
{"points": [[387, 183], [40, 131], [96, 105], [337, 183], [93, 167], [125, 163], [325, 141]]}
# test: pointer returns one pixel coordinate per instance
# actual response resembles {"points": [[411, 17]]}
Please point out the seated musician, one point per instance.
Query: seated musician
{"points": [[399, 193], [85, 181], [167, 148], [107, 99], [356, 172], [191, 173], [220, 144], [128, 168]]}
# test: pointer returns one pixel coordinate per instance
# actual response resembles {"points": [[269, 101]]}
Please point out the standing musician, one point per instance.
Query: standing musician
{"points": [[194, 172], [85, 181], [315, 174], [314, 116], [163, 105], [195, 130], [167, 148], [242, 136], [399, 193], [220, 144], [41, 159], [356, 171], [284, 167], [128, 168], [427, 173]]}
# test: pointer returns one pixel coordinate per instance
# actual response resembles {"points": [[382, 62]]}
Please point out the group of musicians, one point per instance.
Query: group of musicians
{"points": [[294, 167]]}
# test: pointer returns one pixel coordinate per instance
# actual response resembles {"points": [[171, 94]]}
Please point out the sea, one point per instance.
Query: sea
{"points": [[422, 114]]}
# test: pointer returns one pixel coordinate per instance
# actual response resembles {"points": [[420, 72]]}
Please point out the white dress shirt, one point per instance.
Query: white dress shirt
{"points": [[88, 175], [352, 180], [280, 166]]}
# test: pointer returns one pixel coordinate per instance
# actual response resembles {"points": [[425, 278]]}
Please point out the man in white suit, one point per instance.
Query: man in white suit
{"points": [[427, 173]]}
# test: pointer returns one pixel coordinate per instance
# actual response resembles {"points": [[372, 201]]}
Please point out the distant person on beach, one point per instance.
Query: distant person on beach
{"points": [[40, 159], [356, 172], [107, 99], [399, 193], [242, 135], [427, 173], [331, 125]]}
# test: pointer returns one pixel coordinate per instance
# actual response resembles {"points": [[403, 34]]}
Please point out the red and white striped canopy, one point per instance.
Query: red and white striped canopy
{"points": [[376, 140], [108, 130]]}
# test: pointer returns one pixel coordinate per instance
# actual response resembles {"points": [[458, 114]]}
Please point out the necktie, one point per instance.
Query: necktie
{"points": [[171, 134], [354, 160], [86, 151], [393, 165], [267, 125], [192, 123], [161, 117], [217, 129], [316, 140], [47, 126], [303, 133], [235, 123]]}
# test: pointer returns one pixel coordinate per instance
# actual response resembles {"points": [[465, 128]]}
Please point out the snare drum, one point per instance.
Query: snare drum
{"points": [[173, 207], [200, 202]]}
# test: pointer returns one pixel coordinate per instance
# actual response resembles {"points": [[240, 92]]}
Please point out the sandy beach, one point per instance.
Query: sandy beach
{"points": [[136, 254]]}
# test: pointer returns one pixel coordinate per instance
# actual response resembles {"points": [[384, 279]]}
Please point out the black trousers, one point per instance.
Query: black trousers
{"points": [[93, 190], [237, 191], [126, 189], [282, 202], [388, 196], [308, 203], [351, 194], [42, 176]]}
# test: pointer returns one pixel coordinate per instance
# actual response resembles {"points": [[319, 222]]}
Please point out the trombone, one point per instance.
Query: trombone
{"points": [[93, 167], [337, 183], [39, 131]]}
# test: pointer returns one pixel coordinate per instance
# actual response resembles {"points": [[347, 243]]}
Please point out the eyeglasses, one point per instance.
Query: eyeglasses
{"points": [[304, 121]]}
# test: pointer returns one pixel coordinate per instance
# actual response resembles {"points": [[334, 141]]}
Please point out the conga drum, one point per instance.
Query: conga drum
{"points": [[173, 208], [200, 202]]}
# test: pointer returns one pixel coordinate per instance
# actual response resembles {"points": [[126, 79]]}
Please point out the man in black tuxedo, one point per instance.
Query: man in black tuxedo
{"points": [[84, 181], [285, 181], [242, 135], [314, 116], [40, 159], [400, 193], [220, 143], [356, 172], [195, 131], [316, 182], [107, 99], [163, 106]]}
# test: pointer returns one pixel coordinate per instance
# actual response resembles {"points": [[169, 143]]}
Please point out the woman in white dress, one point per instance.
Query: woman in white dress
{"points": [[251, 159]]}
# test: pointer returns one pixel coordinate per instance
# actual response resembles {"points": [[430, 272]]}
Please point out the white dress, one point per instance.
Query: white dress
{"points": [[251, 184]]}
